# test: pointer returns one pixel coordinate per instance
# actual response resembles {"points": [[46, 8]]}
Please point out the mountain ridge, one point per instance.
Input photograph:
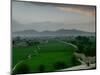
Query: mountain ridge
{"points": [[64, 32]]}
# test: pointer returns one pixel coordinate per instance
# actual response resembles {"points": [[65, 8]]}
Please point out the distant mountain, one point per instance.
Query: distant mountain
{"points": [[61, 32], [73, 31], [17, 26], [28, 29], [26, 32]]}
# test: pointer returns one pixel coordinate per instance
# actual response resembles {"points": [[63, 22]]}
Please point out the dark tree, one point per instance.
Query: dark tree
{"points": [[90, 51], [41, 68], [13, 42], [60, 65], [29, 43], [36, 43]]}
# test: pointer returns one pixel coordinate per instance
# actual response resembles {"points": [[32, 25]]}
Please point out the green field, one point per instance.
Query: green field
{"points": [[48, 53]]}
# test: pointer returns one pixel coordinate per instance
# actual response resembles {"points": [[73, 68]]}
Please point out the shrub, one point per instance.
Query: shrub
{"points": [[59, 65], [41, 68]]}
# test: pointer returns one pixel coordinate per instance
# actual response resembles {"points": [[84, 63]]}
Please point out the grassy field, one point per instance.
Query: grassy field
{"points": [[48, 53]]}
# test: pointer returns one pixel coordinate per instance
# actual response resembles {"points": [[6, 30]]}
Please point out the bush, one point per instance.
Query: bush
{"points": [[60, 65], [41, 68]]}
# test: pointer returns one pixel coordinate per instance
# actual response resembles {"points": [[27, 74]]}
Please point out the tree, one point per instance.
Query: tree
{"points": [[13, 42], [41, 68], [36, 43], [82, 38], [60, 65], [90, 51], [29, 43]]}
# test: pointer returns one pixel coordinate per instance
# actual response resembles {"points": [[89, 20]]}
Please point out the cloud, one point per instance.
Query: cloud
{"points": [[84, 10]]}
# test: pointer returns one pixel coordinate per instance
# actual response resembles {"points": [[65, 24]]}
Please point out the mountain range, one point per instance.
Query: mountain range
{"points": [[60, 32]]}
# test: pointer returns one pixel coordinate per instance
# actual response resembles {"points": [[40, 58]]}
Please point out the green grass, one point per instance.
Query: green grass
{"points": [[48, 59], [49, 53]]}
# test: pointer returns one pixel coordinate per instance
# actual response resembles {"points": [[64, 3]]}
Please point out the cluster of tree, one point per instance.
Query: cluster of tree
{"points": [[16, 40], [28, 42], [31, 43], [85, 45]]}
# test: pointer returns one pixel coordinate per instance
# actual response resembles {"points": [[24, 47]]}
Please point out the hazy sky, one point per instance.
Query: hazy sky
{"points": [[40, 17]]}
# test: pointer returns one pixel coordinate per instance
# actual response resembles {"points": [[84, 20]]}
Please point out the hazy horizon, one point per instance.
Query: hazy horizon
{"points": [[50, 17]]}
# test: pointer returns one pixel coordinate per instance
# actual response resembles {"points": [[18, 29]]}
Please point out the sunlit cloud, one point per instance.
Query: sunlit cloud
{"points": [[83, 10]]}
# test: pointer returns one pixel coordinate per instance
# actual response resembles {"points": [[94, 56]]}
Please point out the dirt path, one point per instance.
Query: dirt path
{"points": [[80, 67], [69, 44]]}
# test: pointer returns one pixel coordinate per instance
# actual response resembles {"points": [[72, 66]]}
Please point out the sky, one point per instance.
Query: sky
{"points": [[46, 16]]}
